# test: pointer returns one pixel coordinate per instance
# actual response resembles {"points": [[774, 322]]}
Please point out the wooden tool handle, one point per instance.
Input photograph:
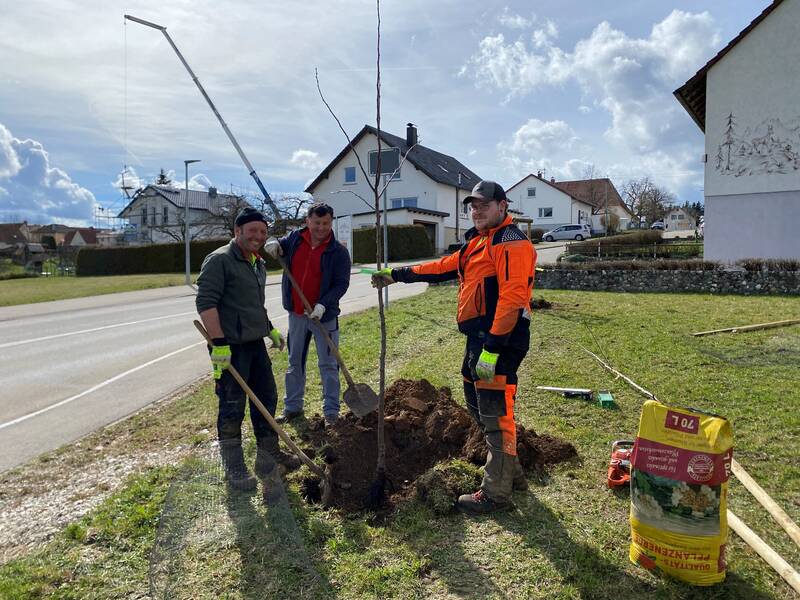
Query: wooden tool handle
{"points": [[324, 331], [766, 501], [783, 568], [263, 410]]}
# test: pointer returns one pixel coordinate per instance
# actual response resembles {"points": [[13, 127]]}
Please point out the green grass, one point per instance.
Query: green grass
{"points": [[569, 536]]}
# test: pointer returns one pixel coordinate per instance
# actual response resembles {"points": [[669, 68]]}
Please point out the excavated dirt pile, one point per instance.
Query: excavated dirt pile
{"points": [[423, 426]]}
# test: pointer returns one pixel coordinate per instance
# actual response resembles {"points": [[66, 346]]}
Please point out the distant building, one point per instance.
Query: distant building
{"points": [[545, 204], [81, 236], [155, 214], [745, 101], [13, 236], [602, 196], [678, 219], [427, 190]]}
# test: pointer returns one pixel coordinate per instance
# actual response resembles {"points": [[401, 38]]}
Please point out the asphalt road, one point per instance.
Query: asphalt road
{"points": [[70, 367]]}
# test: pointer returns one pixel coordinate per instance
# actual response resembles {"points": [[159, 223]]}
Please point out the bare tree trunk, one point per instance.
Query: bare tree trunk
{"points": [[381, 463]]}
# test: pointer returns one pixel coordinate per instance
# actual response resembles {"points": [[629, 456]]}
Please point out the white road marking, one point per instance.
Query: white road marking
{"points": [[60, 335], [93, 329], [94, 388]]}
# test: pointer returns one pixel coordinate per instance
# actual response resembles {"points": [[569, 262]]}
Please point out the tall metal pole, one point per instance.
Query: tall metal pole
{"points": [[246, 162], [458, 208], [186, 230]]}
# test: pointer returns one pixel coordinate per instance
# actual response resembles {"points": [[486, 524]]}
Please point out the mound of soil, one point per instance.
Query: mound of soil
{"points": [[423, 426]]}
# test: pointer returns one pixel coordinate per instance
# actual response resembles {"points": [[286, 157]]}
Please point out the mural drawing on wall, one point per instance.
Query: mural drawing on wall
{"points": [[770, 147]]}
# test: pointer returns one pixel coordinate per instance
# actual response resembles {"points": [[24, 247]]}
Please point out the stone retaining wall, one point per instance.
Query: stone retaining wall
{"points": [[747, 283]]}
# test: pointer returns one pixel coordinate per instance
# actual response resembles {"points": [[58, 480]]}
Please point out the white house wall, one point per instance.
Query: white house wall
{"points": [[343, 196], [752, 173], [565, 209]]}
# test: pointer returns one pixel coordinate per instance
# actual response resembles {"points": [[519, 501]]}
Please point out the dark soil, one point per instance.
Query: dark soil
{"points": [[423, 426]]}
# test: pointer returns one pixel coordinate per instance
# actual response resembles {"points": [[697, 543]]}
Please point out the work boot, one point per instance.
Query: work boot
{"points": [[270, 445], [236, 473], [480, 504], [290, 415], [265, 463], [520, 482], [330, 420]]}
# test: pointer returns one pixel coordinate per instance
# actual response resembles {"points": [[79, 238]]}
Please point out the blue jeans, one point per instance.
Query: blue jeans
{"points": [[301, 330]]}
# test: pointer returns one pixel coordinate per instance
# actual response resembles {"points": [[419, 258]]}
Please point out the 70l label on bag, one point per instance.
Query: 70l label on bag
{"points": [[681, 422]]}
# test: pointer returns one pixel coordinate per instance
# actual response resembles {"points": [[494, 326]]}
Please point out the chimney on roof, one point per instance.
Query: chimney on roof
{"points": [[212, 192], [552, 180], [539, 174], [411, 135]]}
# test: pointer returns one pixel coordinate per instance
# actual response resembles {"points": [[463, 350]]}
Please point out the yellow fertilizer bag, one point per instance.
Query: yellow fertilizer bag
{"points": [[679, 485]]}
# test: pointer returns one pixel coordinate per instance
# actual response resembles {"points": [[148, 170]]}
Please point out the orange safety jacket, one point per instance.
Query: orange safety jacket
{"points": [[495, 273]]}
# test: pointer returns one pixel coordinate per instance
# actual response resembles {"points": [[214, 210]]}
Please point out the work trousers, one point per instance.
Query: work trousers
{"points": [[253, 364], [491, 404], [301, 330]]}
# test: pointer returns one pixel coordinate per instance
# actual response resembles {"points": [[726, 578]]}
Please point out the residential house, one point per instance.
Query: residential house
{"points": [[603, 198], [427, 189], [81, 236], [678, 219], [56, 231], [13, 236], [745, 101], [546, 204], [155, 214]]}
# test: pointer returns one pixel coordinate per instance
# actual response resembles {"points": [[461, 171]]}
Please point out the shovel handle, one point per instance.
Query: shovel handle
{"points": [[322, 329], [263, 410]]}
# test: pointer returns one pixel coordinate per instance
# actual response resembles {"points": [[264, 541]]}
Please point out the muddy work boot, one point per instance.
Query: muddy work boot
{"points": [[269, 446], [480, 504], [520, 482], [265, 463], [290, 415], [236, 473]]}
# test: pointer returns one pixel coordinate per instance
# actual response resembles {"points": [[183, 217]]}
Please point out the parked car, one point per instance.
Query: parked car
{"points": [[657, 225], [568, 232]]}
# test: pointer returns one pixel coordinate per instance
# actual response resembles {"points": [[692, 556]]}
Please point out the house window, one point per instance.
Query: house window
{"points": [[545, 213], [165, 215], [144, 216], [404, 202], [532, 192], [680, 217], [674, 217], [349, 174], [390, 161], [153, 217]]}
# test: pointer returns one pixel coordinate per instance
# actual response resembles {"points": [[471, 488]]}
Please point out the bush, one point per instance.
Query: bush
{"points": [[635, 238], [405, 241], [137, 260], [764, 264]]}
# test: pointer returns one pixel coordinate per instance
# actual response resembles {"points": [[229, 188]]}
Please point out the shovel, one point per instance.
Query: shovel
{"points": [[327, 482], [361, 398]]}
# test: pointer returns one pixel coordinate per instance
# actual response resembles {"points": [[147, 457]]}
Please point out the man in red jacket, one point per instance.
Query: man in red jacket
{"points": [[495, 268]]}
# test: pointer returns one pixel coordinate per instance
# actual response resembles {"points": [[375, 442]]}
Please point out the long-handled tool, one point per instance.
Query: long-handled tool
{"points": [[327, 483], [361, 398]]}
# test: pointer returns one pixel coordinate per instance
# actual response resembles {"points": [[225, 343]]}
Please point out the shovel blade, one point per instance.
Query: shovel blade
{"points": [[361, 399]]}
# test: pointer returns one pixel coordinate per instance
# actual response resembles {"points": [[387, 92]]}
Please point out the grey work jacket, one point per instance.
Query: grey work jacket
{"points": [[235, 287]]}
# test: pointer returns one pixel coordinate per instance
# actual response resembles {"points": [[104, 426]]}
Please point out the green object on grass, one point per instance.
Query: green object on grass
{"points": [[605, 399]]}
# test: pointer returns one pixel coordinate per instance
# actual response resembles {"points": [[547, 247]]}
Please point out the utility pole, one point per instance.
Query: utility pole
{"points": [[385, 237], [606, 188], [186, 229], [458, 208]]}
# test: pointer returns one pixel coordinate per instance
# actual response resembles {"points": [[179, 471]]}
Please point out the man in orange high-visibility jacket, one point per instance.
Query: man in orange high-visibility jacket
{"points": [[495, 268]]}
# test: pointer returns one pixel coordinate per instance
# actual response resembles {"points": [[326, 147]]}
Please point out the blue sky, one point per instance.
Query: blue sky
{"points": [[505, 87]]}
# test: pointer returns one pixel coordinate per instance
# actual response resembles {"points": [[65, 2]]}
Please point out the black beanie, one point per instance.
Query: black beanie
{"points": [[248, 215]]}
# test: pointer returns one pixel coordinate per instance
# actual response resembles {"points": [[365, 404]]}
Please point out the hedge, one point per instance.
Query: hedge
{"points": [[157, 258], [405, 241]]}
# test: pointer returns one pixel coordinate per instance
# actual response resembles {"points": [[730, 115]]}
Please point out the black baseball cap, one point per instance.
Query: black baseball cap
{"points": [[487, 190], [248, 215]]}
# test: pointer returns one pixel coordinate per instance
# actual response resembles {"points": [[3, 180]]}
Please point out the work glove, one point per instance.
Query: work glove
{"points": [[277, 339], [220, 356], [317, 313], [382, 278], [273, 248], [487, 362]]}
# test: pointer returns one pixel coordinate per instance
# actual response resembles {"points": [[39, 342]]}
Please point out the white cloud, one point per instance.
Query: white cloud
{"points": [[585, 109], [514, 21], [35, 191], [631, 78], [542, 137], [307, 159]]}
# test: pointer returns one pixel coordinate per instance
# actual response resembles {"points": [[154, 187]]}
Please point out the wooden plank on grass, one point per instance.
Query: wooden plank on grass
{"points": [[771, 325]]}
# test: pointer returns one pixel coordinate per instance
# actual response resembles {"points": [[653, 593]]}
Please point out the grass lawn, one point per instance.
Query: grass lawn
{"points": [[45, 289], [568, 537]]}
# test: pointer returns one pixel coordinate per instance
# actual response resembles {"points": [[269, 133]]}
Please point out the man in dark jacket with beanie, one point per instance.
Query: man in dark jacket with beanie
{"points": [[230, 301]]}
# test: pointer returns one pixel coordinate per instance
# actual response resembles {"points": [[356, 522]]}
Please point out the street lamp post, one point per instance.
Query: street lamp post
{"points": [[186, 164]]}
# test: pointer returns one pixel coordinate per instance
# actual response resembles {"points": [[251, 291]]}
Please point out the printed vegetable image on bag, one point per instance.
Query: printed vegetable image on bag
{"points": [[679, 485]]}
